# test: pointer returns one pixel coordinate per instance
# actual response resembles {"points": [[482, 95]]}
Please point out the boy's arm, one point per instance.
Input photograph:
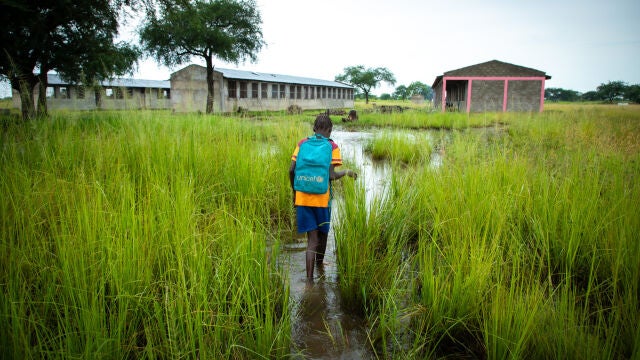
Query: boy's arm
{"points": [[292, 172], [292, 175], [335, 175]]}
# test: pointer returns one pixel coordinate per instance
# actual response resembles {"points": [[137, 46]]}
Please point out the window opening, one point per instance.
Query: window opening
{"points": [[243, 90], [232, 90]]}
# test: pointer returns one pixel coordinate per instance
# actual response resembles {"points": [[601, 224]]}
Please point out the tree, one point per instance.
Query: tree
{"points": [[365, 79], [612, 90], [632, 93], [183, 29], [76, 39], [591, 96], [419, 88], [401, 93], [559, 94]]}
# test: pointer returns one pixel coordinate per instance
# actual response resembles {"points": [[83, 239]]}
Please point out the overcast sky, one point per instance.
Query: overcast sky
{"points": [[580, 44]]}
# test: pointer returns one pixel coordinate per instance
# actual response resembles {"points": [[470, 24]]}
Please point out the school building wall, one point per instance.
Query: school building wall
{"points": [[189, 93], [490, 86], [277, 96], [189, 90], [107, 98]]}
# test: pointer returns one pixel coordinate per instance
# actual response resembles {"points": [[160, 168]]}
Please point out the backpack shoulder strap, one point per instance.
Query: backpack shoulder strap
{"points": [[319, 136]]}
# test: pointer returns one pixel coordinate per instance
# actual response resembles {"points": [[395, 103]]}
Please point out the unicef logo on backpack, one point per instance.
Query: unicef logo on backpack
{"points": [[315, 178], [311, 184]]}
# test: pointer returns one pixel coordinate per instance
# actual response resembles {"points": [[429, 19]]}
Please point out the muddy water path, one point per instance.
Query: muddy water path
{"points": [[321, 329]]}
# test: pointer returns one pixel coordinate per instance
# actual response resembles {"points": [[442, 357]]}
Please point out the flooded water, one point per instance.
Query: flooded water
{"points": [[321, 329]]}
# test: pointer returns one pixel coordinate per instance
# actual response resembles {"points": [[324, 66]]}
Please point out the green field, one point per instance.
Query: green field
{"points": [[154, 235]]}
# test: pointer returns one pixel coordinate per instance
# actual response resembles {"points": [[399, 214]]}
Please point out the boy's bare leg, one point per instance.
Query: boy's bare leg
{"points": [[312, 248], [322, 247]]}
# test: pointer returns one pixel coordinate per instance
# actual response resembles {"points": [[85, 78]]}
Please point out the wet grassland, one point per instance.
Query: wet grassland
{"points": [[522, 243], [155, 235]]}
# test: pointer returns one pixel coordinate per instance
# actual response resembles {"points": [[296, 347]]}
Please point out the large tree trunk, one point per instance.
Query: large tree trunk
{"points": [[25, 86], [42, 94], [210, 94], [27, 105]]}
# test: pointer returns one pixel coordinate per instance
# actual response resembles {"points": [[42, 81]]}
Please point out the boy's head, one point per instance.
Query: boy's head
{"points": [[323, 125]]}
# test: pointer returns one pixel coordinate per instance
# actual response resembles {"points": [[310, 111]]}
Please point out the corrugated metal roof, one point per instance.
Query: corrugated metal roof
{"points": [[492, 68], [54, 79], [495, 68], [278, 78]]}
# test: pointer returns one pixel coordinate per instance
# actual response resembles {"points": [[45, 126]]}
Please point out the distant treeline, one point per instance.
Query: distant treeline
{"points": [[612, 91]]}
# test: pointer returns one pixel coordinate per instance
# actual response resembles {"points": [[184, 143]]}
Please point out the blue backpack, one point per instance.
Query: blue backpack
{"points": [[312, 165]]}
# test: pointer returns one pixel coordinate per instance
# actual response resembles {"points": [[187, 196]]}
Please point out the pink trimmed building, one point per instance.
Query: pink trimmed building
{"points": [[490, 86]]}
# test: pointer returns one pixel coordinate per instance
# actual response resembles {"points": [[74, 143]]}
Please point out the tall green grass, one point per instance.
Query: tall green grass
{"points": [[523, 243], [426, 119], [404, 148], [144, 235], [147, 234]]}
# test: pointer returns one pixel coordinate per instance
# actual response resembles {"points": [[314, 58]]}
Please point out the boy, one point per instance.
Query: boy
{"points": [[313, 211]]}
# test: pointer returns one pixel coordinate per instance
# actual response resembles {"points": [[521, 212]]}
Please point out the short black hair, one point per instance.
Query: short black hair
{"points": [[323, 122]]}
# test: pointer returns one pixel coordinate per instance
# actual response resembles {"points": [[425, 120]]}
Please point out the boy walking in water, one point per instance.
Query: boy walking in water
{"points": [[313, 211]]}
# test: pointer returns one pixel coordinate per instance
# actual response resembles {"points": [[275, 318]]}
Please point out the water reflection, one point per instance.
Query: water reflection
{"points": [[323, 330], [375, 175], [320, 328]]}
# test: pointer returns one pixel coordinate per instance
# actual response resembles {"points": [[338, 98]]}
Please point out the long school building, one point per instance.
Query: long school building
{"points": [[117, 94], [490, 86], [248, 90], [186, 91]]}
